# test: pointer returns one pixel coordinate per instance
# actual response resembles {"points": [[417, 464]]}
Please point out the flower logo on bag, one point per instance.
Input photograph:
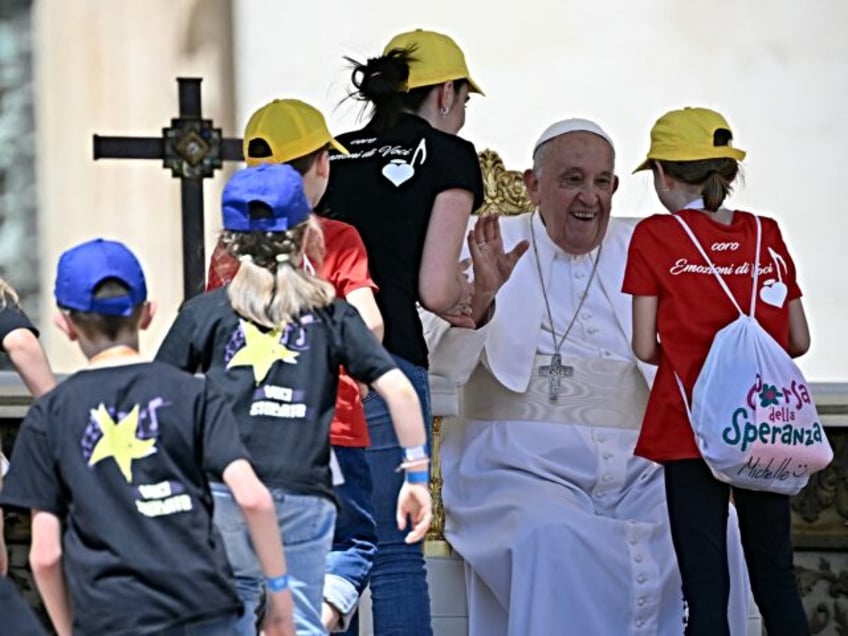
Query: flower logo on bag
{"points": [[769, 395]]}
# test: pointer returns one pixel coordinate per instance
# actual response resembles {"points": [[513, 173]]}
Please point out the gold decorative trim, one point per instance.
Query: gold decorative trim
{"points": [[504, 191]]}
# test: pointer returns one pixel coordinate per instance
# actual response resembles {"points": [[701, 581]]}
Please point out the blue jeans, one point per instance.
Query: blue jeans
{"points": [[220, 626], [306, 523], [355, 541], [399, 594]]}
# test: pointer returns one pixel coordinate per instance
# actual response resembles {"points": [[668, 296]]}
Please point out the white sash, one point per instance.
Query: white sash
{"points": [[605, 393]]}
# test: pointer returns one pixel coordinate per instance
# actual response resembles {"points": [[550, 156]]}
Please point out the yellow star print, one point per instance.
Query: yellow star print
{"points": [[119, 441], [260, 351]]}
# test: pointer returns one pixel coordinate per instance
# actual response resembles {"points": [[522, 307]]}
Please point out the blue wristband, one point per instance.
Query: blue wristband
{"points": [[414, 453], [277, 583], [418, 477]]}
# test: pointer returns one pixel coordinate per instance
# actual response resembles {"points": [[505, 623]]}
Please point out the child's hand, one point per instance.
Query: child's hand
{"points": [[414, 501], [279, 616]]}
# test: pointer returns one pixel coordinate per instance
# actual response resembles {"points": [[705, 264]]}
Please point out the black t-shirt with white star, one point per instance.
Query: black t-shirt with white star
{"points": [[386, 188], [282, 384], [120, 455]]}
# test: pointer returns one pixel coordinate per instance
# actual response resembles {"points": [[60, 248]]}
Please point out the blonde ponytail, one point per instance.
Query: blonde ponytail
{"points": [[270, 289], [7, 292]]}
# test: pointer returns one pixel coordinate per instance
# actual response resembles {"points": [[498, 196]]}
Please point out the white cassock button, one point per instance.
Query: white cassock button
{"points": [[641, 600], [592, 330], [601, 437], [638, 558], [639, 623], [607, 477], [633, 540], [607, 455], [579, 275], [585, 315], [641, 578]]}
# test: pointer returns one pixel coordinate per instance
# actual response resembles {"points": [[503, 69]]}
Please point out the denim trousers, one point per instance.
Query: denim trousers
{"points": [[400, 598], [355, 539], [306, 523], [698, 508]]}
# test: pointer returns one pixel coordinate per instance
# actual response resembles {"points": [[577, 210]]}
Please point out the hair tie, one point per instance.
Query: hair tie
{"points": [[245, 258], [283, 258]]}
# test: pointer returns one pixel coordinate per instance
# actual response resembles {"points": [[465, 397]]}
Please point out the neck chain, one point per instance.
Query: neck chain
{"points": [[558, 345]]}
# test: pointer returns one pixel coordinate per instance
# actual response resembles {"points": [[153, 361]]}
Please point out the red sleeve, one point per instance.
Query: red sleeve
{"points": [[222, 267], [773, 239], [639, 277], [345, 260]]}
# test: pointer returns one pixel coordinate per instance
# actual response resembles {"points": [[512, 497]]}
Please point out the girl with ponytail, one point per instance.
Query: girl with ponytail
{"points": [[678, 307], [272, 340]]}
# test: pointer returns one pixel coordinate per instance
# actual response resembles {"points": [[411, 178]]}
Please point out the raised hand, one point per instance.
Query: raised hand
{"points": [[492, 264]]}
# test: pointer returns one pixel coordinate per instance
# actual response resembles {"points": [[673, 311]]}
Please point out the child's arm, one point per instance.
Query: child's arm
{"points": [[799, 331], [645, 344], [29, 360], [364, 302], [405, 409], [4, 559], [45, 558], [261, 518]]}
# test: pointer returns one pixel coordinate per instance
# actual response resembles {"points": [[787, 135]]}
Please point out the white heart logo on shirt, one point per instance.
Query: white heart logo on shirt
{"points": [[773, 292], [398, 171]]}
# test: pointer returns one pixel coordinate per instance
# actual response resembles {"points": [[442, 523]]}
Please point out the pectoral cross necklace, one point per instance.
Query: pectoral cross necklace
{"points": [[556, 370]]}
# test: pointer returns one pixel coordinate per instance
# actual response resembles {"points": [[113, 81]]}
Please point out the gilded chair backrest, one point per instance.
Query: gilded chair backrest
{"points": [[503, 190]]}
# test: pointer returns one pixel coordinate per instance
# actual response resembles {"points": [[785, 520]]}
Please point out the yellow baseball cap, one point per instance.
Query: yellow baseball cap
{"points": [[437, 59], [689, 134], [291, 128]]}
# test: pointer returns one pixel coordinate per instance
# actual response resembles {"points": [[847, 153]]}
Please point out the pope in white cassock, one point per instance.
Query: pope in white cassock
{"points": [[562, 529]]}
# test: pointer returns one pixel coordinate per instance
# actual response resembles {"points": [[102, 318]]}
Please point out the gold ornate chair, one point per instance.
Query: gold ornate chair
{"points": [[503, 192]]}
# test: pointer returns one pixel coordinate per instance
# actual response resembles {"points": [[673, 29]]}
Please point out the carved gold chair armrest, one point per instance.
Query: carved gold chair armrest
{"points": [[503, 192]]}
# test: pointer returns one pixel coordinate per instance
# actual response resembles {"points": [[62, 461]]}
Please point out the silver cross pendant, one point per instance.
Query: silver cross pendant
{"points": [[555, 371]]}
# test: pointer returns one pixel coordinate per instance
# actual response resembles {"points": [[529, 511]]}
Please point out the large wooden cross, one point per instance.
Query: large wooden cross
{"points": [[193, 149]]}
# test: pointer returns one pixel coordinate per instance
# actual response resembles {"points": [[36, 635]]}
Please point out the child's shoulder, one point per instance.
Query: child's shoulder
{"points": [[207, 300], [107, 382]]}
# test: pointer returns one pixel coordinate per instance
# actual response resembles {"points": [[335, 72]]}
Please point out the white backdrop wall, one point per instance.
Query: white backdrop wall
{"points": [[778, 69]]}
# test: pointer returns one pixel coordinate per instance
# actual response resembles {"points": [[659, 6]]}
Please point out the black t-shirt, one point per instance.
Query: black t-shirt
{"points": [[11, 318], [282, 384], [386, 188], [120, 455], [17, 616]]}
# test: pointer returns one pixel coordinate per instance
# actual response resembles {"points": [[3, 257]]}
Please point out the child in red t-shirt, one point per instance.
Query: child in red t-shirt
{"points": [[290, 131], [678, 307]]}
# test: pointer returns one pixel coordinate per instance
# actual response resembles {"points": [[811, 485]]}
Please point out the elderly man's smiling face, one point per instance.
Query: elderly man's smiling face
{"points": [[572, 184]]}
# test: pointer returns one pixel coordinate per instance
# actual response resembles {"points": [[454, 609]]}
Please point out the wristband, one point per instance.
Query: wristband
{"points": [[414, 453], [418, 477], [277, 583]]}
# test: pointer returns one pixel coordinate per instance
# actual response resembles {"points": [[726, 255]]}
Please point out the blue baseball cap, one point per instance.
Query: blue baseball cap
{"points": [[278, 186], [82, 268]]}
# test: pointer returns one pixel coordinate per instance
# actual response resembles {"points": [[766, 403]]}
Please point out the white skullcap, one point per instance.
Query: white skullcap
{"points": [[574, 124]]}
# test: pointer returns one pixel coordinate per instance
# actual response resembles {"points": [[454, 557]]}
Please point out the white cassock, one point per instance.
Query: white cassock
{"points": [[563, 530]]}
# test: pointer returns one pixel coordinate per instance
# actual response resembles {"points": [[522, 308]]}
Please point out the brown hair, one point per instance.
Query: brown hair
{"points": [[715, 176], [93, 325], [270, 288]]}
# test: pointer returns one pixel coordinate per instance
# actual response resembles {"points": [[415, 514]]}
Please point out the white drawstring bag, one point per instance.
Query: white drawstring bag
{"points": [[754, 419]]}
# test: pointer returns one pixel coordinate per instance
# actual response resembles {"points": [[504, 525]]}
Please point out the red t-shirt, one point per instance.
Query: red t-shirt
{"points": [[346, 267], [662, 261]]}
